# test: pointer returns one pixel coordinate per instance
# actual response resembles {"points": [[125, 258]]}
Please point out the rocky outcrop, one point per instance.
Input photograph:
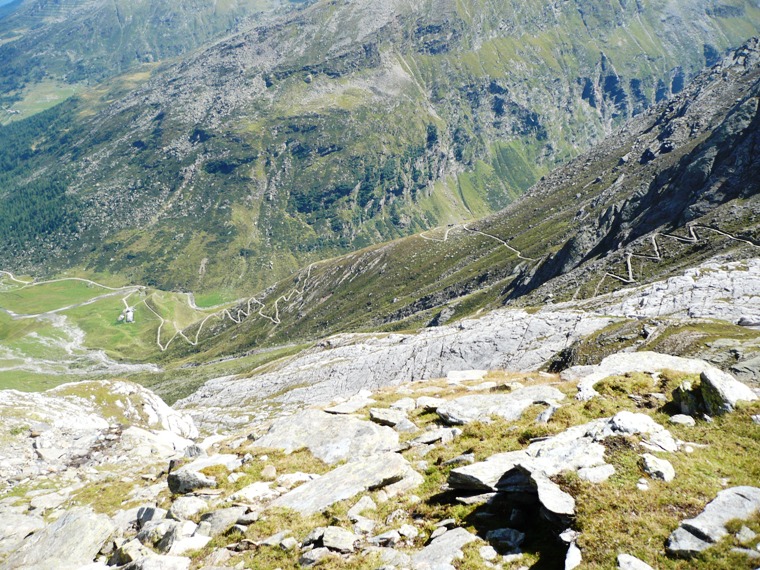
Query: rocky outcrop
{"points": [[700, 533]]}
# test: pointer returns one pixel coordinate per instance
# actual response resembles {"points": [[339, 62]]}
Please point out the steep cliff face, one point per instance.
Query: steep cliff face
{"points": [[347, 124]]}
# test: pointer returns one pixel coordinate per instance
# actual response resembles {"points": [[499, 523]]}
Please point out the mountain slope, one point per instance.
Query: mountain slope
{"points": [[85, 41], [677, 186], [347, 124]]}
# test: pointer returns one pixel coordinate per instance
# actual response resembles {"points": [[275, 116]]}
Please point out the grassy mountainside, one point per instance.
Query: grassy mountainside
{"points": [[81, 42], [690, 162], [343, 125]]}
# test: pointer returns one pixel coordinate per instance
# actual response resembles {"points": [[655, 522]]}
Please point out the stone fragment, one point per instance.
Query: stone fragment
{"points": [[353, 404], [389, 538], [149, 513], [182, 482], [573, 558], [509, 406], [364, 504], [442, 550], [444, 435], [387, 416], [406, 426], [683, 420], [278, 537], [14, 528], [745, 535], [269, 473], [184, 508], [701, 532], [628, 562], [339, 539], [597, 474], [428, 403], [255, 493], [331, 438], [488, 553], [129, 552], [658, 468], [345, 482], [68, 543], [505, 538], [404, 404], [311, 557], [175, 532], [408, 531], [721, 391], [221, 520], [288, 543]]}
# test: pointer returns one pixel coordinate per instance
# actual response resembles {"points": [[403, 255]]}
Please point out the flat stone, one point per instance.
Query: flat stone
{"points": [[353, 404], [721, 391], [404, 404], [345, 482], [429, 403], [331, 438], [364, 504], [488, 553], [597, 474], [631, 423], [311, 557], [255, 493], [699, 533], [175, 532], [443, 435], [72, 541], [387, 416], [509, 406], [188, 544], [573, 558], [628, 562], [339, 539], [184, 508], [221, 520], [406, 426], [658, 468], [443, 550], [682, 420]]}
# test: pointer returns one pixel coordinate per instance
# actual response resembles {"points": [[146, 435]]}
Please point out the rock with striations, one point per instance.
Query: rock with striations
{"points": [[507, 406], [345, 482], [67, 544], [331, 438], [442, 551], [14, 528], [721, 391], [707, 528]]}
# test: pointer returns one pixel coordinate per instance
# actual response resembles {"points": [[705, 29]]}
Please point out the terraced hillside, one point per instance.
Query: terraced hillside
{"points": [[339, 126]]}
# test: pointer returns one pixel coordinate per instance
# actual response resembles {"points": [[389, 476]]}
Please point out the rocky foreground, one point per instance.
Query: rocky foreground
{"points": [[475, 470]]}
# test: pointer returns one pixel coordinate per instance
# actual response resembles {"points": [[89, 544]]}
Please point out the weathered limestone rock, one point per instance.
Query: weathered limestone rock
{"points": [[698, 534], [509, 406], [184, 508], [345, 482], [256, 493], [331, 438], [630, 423], [339, 539], [628, 562], [70, 542], [175, 532], [658, 468], [311, 557], [573, 558], [15, 527], [683, 420], [387, 416], [596, 474], [353, 404], [220, 521], [442, 550], [721, 391]]}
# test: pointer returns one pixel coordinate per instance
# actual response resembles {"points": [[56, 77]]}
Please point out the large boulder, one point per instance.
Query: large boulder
{"points": [[508, 406], [72, 541], [707, 528], [331, 438], [345, 482], [721, 391]]}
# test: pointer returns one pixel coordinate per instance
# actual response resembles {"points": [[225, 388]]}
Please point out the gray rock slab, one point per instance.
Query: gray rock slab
{"points": [[353, 404], [345, 482], [510, 406], [699, 533], [443, 550], [339, 539], [657, 468], [181, 482], [70, 542], [221, 520], [184, 508], [387, 416], [596, 474], [721, 391], [331, 438], [682, 420], [628, 562], [14, 528]]}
